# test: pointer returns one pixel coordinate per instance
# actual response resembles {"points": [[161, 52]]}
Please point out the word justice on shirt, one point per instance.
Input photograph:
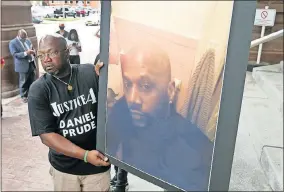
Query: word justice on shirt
{"points": [[78, 125], [70, 105]]}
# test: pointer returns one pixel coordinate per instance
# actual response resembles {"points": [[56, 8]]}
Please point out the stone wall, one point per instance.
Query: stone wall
{"points": [[15, 15]]}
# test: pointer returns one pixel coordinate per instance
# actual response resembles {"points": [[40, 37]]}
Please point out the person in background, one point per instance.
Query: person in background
{"points": [[114, 49], [62, 30], [2, 62], [21, 49], [2, 65], [74, 47]]}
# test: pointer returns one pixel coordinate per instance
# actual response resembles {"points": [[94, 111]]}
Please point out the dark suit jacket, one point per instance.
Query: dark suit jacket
{"points": [[65, 35], [21, 60]]}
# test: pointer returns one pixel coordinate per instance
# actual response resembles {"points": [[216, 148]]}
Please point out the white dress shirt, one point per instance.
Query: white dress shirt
{"points": [[73, 49]]}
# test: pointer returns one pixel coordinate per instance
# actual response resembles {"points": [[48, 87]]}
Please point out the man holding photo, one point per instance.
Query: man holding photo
{"points": [[63, 113]]}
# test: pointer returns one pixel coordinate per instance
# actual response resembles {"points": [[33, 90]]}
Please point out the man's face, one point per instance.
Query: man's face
{"points": [[23, 36], [53, 55], [145, 90]]}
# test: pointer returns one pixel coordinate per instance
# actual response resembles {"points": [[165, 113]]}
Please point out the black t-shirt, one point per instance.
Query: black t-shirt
{"points": [[172, 149], [72, 114]]}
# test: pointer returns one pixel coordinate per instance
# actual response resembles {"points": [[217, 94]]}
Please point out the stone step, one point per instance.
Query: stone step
{"points": [[264, 124], [272, 163], [265, 121]]}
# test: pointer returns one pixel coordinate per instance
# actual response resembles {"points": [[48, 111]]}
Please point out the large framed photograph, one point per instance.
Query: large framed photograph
{"points": [[171, 89]]}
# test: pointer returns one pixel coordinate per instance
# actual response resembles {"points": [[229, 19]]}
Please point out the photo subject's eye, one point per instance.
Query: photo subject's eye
{"points": [[145, 87], [40, 56]]}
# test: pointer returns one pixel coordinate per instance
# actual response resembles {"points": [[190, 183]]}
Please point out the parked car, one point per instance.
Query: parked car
{"points": [[45, 12], [37, 19], [95, 11], [93, 20], [48, 12], [69, 12], [80, 11], [87, 10]]}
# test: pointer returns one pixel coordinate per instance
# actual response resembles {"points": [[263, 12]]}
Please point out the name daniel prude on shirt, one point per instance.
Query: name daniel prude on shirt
{"points": [[77, 125]]}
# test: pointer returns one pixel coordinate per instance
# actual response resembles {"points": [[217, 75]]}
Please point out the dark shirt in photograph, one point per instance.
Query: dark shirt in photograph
{"points": [[173, 149]]}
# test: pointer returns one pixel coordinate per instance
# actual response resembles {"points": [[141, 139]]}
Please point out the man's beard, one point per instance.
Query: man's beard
{"points": [[50, 69], [59, 72], [142, 121], [139, 119]]}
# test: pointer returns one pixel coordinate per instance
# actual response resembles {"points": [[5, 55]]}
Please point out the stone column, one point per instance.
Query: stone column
{"points": [[15, 15]]}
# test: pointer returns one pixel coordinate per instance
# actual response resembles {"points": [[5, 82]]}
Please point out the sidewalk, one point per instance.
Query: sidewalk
{"points": [[24, 159]]}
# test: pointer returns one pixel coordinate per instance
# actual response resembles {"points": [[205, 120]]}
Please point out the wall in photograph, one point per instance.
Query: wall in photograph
{"points": [[164, 86]]}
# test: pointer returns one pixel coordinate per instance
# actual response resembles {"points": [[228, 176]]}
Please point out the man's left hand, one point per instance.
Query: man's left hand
{"points": [[98, 66]]}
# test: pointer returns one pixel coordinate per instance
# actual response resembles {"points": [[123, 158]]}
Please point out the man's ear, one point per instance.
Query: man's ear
{"points": [[121, 56], [171, 91]]}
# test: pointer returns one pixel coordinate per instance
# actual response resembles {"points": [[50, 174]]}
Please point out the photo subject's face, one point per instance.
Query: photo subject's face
{"points": [[145, 95]]}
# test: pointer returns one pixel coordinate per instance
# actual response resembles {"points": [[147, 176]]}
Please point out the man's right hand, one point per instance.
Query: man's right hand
{"points": [[29, 52], [96, 158], [98, 67]]}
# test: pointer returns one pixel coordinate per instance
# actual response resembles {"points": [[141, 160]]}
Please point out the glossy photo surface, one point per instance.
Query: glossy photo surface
{"points": [[165, 75]]}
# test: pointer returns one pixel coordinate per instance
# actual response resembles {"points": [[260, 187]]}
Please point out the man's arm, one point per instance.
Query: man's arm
{"points": [[32, 49], [62, 145], [67, 148], [79, 46], [15, 53]]}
